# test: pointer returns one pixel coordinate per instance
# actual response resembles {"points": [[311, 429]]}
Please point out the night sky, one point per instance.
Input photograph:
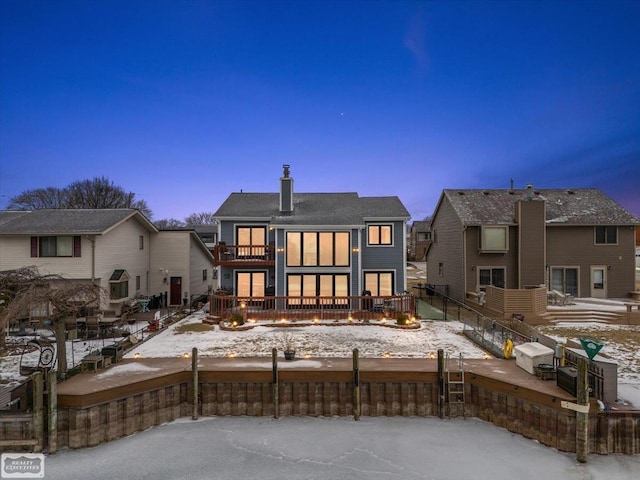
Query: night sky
{"points": [[184, 102]]}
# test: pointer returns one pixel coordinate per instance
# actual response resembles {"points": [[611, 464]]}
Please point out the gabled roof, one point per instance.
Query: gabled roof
{"points": [[420, 225], [587, 206], [312, 208], [68, 221]]}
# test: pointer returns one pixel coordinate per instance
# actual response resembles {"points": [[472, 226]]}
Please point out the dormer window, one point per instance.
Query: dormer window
{"points": [[494, 239]]}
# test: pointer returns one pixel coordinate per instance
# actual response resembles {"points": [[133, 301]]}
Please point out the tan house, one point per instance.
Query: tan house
{"points": [[419, 240], [117, 249], [578, 242]]}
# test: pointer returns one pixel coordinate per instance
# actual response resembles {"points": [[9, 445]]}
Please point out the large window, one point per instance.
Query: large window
{"points": [[318, 249], [317, 285], [380, 235], [58, 246], [606, 235], [250, 284], [494, 239], [565, 280], [491, 276], [379, 283], [251, 241]]}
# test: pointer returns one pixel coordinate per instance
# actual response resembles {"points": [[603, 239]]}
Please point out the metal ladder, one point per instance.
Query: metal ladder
{"points": [[455, 384]]}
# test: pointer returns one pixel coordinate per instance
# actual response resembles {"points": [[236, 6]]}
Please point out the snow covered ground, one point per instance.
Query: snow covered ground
{"points": [[397, 448], [322, 340]]}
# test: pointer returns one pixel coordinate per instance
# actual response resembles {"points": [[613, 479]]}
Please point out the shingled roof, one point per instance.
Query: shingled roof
{"points": [[313, 208], [67, 221], [587, 206]]}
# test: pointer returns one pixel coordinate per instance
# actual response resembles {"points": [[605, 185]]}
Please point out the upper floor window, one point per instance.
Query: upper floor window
{"points": [[204, 274], [606, 235], [494, 239], [251, 241], [55, 246], [379, 235], [141, 242], [313, 249]]}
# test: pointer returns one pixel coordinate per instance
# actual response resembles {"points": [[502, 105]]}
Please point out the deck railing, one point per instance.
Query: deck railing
{"points": [[231, 254], [310, 308]]}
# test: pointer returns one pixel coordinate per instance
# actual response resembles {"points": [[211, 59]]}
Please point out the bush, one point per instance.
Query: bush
{"points": [[236, 319], [402, 319]]}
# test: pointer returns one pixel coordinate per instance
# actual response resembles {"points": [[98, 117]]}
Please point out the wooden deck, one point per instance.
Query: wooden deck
{"points": [[138, 375]]}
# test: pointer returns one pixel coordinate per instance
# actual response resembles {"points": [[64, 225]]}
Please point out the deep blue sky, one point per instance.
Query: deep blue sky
{"points": [[184, 102]]}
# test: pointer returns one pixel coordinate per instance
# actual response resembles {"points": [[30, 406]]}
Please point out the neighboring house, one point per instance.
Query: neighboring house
{"points": [[184, 265], [579, 242], [420, 238], [208, 234], [311, 244], [117, 249]]}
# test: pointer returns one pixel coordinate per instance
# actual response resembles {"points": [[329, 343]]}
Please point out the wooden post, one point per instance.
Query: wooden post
{"points": [[356, 384], [441, 383], [274, 366], [194, 371], [38, 419], [52, 401], [582, 418]]}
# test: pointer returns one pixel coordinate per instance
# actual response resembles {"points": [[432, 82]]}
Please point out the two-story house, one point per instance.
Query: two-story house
{"points": [[574, 241], [304, 246], [419, 239], [119, 250]]}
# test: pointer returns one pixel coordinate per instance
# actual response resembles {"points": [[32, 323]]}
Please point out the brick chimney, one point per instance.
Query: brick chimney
{"points": [[286, 191]]}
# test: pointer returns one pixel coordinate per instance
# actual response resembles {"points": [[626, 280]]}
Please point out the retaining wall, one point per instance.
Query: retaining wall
{"points": [[330, 393]]}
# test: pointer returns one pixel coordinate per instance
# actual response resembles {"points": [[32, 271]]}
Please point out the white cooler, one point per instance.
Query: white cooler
{"points": [[530, 355]]}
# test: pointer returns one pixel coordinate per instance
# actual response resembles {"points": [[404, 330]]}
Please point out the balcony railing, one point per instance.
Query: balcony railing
{"points": [[244, 254], [311, 308]]}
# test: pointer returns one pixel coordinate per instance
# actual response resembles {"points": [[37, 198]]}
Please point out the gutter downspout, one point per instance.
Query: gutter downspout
{"points": [[92, 239]]}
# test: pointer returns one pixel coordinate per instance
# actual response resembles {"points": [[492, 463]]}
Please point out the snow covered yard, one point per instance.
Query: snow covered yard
{"points": [[323, 340]]}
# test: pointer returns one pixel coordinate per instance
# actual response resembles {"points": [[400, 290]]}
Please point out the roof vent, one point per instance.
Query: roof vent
{"points": [[486, 192], [570, 192], [460, 192]]}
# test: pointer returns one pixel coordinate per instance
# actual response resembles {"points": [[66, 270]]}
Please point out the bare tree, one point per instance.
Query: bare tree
{"points": [[100, 192], [169, 223], [39, 198], [26, 290], [202, 218], [97, 193]]}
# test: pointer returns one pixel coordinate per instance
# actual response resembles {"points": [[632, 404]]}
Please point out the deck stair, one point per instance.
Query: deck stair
{"points": [[455, 383], [584, 316]]}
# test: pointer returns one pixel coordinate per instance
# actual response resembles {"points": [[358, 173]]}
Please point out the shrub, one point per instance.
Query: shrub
{"points": [[236, 319], [402, 319]]}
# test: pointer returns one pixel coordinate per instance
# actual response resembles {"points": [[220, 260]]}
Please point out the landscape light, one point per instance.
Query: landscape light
{"points": [[136, 355]]}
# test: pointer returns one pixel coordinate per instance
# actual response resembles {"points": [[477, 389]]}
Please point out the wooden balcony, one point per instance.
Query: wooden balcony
{"points": [[276, 308], [246, 255]]}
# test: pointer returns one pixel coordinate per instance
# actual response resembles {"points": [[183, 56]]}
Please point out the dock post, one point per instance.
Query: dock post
{"points": [[194, 372], [356, 384], [274, 367]]}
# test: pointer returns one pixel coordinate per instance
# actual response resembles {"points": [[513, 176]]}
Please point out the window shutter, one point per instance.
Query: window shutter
{"points": [[76, 246], [34, 246]]}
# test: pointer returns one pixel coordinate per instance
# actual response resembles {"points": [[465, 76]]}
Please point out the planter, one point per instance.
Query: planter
{"points": [[289, 354]]}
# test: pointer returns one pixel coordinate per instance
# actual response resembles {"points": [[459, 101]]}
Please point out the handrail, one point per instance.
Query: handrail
{"points": [[311, 307]]}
